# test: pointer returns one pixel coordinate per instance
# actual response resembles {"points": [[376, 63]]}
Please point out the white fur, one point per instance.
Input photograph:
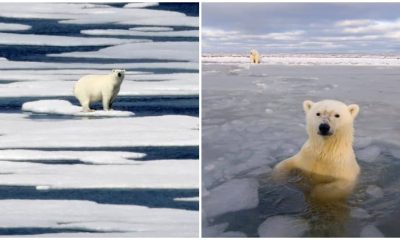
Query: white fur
{"points": [[255, 57], [327, 161], [93, 88]]}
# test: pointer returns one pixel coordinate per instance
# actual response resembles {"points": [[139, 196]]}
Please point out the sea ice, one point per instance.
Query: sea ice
{"points": [[141, 5], [171, 174], [183, 51], [122, 32], [50, 40], [168, 130], [374, 191], [359, 213], [283, 226], [370, 231], [231, 196], [63, 107], [152, 29], [368, 154], [92, 13], [13, 27], [108, 219]]}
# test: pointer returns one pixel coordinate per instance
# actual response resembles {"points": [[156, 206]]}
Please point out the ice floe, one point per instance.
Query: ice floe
{"points": [[368, 154], [141, 5], [107, 220], [152, 174], [133, 32], [13, 27], [168, 130], [231, 196], [91, 13], [370, 231], [50, 40], [186, 51], [95, 157], [359, 213], [374, 191], [64, 107], [152, 29], [307, 59], [283, 226]]}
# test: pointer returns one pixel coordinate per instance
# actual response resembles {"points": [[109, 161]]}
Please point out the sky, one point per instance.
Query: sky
{"points": [[372, 28]]}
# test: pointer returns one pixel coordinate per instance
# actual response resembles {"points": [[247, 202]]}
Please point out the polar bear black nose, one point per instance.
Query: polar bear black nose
{"points": [[324, 129], [119, 74]]}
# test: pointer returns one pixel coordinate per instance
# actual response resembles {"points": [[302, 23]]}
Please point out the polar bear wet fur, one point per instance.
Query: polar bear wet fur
{"points": [[255, 56], [327, 158], [93, 88]]}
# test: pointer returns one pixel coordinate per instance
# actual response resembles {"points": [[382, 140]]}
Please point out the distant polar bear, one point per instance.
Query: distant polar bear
{"points": [[255, 57], [327, 159], [93, 88]]}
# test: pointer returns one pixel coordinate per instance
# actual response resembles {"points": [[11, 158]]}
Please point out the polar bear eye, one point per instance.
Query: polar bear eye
{"points": [[337, 115], [318, 114]]}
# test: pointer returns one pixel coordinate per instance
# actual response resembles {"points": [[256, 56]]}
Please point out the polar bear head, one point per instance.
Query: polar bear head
{"points": [[329, 118], [253, 52], [119, 73]]}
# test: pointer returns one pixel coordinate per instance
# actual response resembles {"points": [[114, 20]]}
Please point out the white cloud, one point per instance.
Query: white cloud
{"points": [[350, 23], [371, 26], [223, 35]]}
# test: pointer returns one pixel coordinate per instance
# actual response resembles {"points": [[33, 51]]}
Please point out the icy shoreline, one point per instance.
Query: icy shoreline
{"points": [[308, 59]]}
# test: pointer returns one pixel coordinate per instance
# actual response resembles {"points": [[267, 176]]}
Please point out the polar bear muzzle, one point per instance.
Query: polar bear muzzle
{"points": [[324, 129]]}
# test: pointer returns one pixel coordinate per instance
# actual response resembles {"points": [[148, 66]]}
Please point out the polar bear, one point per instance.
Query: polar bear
{"points": [[93, 88], [255, 57], [327, 160]]}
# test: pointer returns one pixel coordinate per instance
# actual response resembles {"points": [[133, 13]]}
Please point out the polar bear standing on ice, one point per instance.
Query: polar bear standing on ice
{"points": [[93, 88], [327, 158], [255, 57]]}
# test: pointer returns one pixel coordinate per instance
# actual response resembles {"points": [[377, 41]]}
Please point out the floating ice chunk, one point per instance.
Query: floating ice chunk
{"points": [[359, 213], [122, 32], [283, 226], [152, 29], [159, 174], [42, 187], [235, 195], [86, 13], [187, 199], [13, 27], [233, 235], [63, 107], [368, 154], [99, 219], [374, 191], [141, 5], [96, 157], [371, 231], [215, 230], [50, 40], [18, 131], [154, 50], [362, 142]]}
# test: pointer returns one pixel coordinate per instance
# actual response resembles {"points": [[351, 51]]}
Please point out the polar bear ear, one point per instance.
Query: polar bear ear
{"points": [[353, 109], [307, 105]]}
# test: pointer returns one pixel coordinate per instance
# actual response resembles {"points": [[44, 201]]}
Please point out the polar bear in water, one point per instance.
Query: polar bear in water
{"points": [[93, 88], [327, 159]]}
